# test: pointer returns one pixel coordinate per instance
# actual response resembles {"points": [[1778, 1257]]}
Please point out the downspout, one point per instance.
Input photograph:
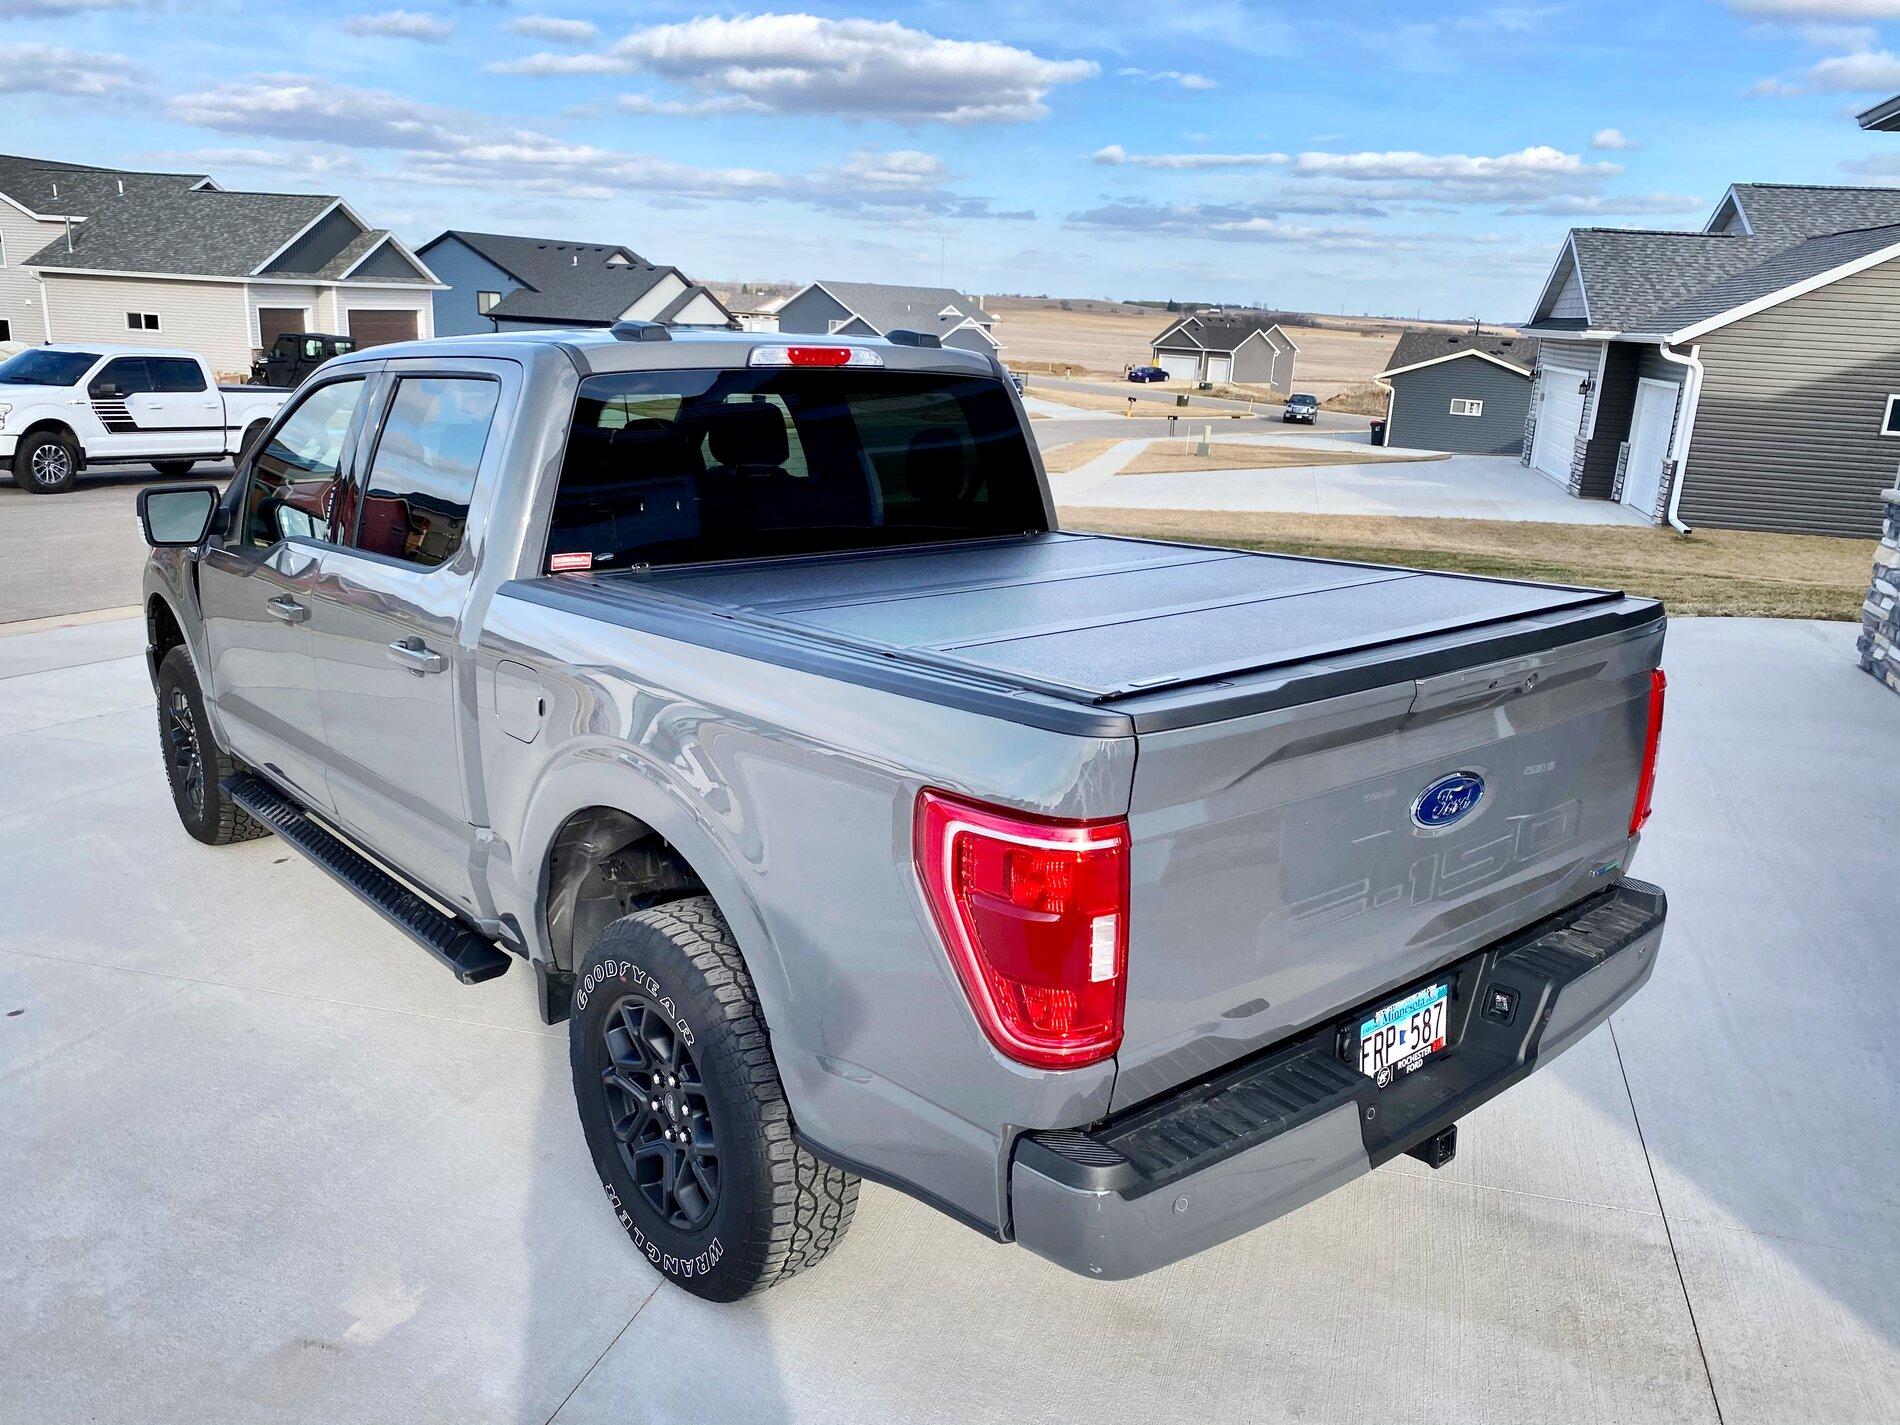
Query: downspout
{"points": [[1685, 428]]}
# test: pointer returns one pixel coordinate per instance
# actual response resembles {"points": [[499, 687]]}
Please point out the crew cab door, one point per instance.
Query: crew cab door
{"points": [[394, 677], [139, 401], [256, 586]]}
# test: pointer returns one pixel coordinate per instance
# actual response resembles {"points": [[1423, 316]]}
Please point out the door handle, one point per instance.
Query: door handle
{"points": [[288, 609], [417, 656]]}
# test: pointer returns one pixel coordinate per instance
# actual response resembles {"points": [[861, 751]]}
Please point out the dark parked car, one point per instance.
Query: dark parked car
{"points": [[295, 355], [1146, 373], [1301, 408]]}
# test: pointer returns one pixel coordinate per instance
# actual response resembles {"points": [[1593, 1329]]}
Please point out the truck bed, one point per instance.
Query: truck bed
{"points": [[1159, 634]]}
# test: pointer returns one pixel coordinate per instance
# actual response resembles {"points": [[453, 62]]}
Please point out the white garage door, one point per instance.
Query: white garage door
{"points": [[1181, 368], [1559, 417], [1649, 444], [1220, 368]]}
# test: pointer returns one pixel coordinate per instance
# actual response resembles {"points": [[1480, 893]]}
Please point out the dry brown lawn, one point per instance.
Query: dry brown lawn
{"points": [[1118, 405], [1177, 457], [1073, 456], [1367, 399], [1711, 572]]}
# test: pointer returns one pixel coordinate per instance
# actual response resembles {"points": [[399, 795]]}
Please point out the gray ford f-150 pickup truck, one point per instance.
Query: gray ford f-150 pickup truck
{"points": [[1114, 897]]}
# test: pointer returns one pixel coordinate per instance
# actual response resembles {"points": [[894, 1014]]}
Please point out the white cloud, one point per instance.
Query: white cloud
{"points": [[53, 69], [806, 64], [1115, 154], [402, 25], [1527, 174], [1797, 10], [1237, 222], [293, 106], [1610, 141], [691, 108], [207, 159], [1867, 71], [1628, 205], [555, 29], [1186, 79]]}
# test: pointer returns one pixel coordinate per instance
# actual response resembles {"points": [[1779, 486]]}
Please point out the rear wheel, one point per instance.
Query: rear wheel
{"points": [[173, 469], [194, 763], [45, 463], [684, 1112]]}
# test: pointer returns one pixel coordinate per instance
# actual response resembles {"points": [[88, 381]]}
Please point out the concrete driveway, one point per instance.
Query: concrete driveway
{"points": [[260, 1160], [1480, 487]]}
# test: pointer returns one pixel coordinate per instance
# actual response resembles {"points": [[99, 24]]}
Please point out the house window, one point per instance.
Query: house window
{"points": [[1890, 423], [141, 321], [1462, 407], [6, 330], [485, 302]]}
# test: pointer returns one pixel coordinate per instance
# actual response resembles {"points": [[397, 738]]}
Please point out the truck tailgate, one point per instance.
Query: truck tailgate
{"points": [[1281, 877]]}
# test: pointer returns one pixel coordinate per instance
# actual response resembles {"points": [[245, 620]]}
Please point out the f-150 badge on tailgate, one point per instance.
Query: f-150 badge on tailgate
{"points": [[1448, 801]]}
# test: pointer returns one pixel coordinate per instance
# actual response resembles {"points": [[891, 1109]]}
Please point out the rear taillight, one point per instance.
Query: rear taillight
{"points": [[1646, 784], [1034, 914]]}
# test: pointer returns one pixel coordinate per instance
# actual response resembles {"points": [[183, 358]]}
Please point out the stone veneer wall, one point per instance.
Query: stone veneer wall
{"points": [[1880, 615]]}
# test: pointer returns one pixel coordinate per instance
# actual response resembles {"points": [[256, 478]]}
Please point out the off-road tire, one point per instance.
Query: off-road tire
{"points": [[777, 1209], [38, 450], [206, 812], [174, 469]]}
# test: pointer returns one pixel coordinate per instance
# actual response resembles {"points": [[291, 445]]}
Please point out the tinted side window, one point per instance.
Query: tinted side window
{"points": [[130, 374], [294, 478], [174, 373], [415, 501]]}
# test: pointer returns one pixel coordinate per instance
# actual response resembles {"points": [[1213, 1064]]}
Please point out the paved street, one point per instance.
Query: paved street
{"points": [[260, 1160]]}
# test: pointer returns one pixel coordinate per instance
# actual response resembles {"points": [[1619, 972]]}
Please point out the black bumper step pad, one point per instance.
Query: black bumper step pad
{"points": [[471, 957], [1155, 1144]]}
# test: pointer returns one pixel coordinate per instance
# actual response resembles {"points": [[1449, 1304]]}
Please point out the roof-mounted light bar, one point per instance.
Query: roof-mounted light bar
{"points": [[814, 356]]}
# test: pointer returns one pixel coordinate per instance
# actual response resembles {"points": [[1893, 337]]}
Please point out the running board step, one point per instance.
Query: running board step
{"points": [[472, 958]]}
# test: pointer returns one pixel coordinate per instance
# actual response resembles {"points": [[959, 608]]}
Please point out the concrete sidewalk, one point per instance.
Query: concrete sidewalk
{"points": [[260, 1160], [1479, 487]]}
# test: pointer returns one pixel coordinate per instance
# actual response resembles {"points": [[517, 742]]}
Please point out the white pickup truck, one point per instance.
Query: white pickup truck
{"points": [[64, 408]]}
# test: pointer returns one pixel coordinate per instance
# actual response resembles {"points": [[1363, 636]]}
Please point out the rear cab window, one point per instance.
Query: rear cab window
{"points": [[674, 467]]}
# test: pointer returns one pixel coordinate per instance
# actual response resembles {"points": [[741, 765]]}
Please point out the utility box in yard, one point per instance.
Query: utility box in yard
{"points": [[1880, 615]]}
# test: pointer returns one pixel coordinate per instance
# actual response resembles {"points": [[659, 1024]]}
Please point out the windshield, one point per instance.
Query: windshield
{"points": [[1303, 401], [40, 367], [675, 467]]}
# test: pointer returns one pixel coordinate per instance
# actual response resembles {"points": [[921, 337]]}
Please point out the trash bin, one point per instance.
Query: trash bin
{"points": [[1378, 432], [1180, 398]]}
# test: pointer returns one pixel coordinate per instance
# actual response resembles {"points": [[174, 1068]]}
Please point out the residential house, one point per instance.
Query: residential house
{"points": [[1745, 375], [1222, 346], [878, 309], [496, 282], [1467, 391], [173, 259]]}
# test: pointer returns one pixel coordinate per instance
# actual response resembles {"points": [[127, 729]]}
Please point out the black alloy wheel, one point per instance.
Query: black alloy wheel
{"points": [[659, 1114]]}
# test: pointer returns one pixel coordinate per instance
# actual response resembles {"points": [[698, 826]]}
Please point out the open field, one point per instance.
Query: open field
{"points": [[1723, 572], [1180, 457], [1145, 403], [1103, 337]]}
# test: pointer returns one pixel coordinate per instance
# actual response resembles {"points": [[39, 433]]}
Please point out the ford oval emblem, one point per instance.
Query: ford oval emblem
{"points": [[1448, 801]]}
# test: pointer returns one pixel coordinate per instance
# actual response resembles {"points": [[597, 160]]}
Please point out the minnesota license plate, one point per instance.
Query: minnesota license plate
{"points": [[1404, 1034]]}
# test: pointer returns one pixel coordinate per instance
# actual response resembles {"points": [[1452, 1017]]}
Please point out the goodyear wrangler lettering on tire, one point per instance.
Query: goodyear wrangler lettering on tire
{"points": [[684, 1113]]}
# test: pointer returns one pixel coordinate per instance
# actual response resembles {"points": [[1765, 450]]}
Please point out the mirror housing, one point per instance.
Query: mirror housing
{"points": [[177, 516]]}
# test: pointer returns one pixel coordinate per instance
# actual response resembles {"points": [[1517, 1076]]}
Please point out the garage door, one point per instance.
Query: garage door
{"points": [[375, 328], [1181, 368], [1559, 417], [273, 322], [1220, 368], [1650, 426]]}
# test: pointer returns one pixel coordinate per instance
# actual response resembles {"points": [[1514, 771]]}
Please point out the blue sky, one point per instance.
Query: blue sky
{"points": [[1339, 156]]}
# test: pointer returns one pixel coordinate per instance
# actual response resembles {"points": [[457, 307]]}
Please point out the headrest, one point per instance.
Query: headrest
{"points": [[752, 433]]}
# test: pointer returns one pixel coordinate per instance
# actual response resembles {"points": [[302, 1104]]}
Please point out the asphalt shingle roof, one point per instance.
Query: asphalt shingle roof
{"points": [[896, 308], [1417, 346], [75, 189], [1639, 280], [568, 281], [201, 233], [1220, 331]]}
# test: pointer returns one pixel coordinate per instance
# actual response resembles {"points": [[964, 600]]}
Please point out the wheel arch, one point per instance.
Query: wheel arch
{"points": [[53, 425]]}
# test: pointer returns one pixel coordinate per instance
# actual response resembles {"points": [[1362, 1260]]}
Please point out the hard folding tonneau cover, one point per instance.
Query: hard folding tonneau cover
{"points": [[1123, 624]]}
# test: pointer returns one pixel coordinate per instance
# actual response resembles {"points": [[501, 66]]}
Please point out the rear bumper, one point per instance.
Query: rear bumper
{"points": [[1217, 1158]]}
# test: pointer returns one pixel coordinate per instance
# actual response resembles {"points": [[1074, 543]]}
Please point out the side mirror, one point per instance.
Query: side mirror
{"points": [[177, 516]]}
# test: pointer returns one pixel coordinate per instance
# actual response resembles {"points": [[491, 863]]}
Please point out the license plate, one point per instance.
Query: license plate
{"points": [[1404, 1034]]}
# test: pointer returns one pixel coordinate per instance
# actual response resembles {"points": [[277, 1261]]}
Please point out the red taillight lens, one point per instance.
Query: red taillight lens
{"points": [[1646, 784], [1034, 914], [818, 355]]}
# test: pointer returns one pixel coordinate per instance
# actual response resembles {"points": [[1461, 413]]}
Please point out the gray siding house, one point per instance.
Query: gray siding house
{"points": [[877, 309], [1227, 346], [1742, 376], [496, 282], [1459, 391]]}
